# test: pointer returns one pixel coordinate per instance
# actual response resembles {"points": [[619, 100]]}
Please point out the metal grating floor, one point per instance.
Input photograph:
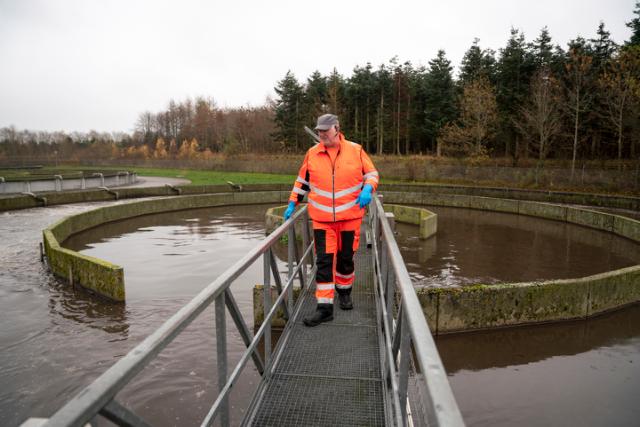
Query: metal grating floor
{"points": [[329, 374]]}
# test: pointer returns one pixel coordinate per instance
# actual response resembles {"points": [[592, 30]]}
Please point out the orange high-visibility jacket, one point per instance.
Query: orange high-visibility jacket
{"points": [[333, 187]]}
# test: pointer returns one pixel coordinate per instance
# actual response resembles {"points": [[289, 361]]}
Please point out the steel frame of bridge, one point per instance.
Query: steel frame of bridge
{"points": [[375, 365]]}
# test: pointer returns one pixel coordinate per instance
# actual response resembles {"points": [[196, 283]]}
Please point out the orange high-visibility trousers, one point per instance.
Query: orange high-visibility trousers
{"points": [[336, 243]]}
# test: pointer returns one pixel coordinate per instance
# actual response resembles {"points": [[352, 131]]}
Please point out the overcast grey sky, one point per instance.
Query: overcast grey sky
{"points": [[87, 64]]}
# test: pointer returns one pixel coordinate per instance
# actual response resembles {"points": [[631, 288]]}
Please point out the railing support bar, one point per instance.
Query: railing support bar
{"points": [[221, 347], [267, 306], [403, 371], [263, 330], [397, 333], [296, 256], [119, 415], [278, 281], [303, 260], [232, 306], [309, 234], [290, 257]]}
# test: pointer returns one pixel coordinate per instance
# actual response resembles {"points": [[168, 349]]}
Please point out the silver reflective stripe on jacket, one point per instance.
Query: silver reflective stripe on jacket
{"points": [[338, 194]]}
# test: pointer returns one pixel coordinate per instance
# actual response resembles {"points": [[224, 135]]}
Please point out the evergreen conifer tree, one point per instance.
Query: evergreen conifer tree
{"points": [[440, 93], [289, 112], [634, 24], [477, 63]]}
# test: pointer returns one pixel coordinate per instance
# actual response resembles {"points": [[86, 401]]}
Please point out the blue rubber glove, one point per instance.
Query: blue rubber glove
{"points": [[289, 211], [365, 196]]}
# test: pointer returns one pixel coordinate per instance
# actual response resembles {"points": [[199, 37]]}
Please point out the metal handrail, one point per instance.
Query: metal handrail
{"points": [[98, 397], [408, 328]]}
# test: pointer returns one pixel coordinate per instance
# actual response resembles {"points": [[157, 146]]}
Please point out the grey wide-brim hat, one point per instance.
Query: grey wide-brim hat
{"points": [[325, 121]]}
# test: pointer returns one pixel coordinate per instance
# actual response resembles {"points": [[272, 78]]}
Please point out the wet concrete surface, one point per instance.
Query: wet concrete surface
{"points": [[59, 339]]}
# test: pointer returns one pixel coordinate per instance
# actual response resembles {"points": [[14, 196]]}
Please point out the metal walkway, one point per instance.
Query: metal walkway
{"points": [[329, 374], [374, 365]]}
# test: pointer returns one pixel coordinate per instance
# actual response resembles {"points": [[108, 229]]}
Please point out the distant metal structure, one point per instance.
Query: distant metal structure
{"points": [[398, 326], [59, 183]]}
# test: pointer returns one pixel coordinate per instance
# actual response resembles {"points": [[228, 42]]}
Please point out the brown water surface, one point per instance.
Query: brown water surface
{"points": [[584, 373], [56, 340], [474, 246]]}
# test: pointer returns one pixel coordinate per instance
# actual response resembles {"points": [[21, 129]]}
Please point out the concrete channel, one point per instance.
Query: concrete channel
{"points": [[475, 202]]}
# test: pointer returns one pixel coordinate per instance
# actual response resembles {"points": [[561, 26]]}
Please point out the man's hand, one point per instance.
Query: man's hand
{"points": [[289, 211], [365, 196]]}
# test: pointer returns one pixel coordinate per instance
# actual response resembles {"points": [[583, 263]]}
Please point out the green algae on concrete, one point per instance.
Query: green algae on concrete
{"points": [[492, 204], [626, 227], [590, 218], [489, 306], [274, 218], [542, 210], [107, 279], [278, 320], [613, 289], [426, 220]]}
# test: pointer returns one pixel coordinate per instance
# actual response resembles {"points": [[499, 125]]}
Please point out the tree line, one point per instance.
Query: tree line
{"points": [[527, 100]]}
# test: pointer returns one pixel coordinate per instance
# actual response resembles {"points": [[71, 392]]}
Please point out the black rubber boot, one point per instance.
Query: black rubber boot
{"points": [[345, 301], [323, 313]]}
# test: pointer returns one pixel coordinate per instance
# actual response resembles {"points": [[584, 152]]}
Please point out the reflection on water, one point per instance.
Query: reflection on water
{"points": [[174, 254], [583, 373], [474, 246]]}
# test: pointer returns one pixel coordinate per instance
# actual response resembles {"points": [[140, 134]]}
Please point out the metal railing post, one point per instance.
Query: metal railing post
{"points": [[397, 332], [278, 282], [221, 347], [390, 277], [305, 244], [403, 370], [309, 233], [290, 256], [267, 307], [234, 311]]}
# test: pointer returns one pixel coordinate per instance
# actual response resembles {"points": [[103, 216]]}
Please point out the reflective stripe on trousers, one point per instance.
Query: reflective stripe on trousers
{"points": [[336, 244]]}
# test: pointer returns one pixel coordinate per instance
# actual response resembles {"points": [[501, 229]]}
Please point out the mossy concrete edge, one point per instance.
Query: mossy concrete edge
{"points": [[105, 278], [426, 220], [477, 307], [490, 306], [20, 201]]}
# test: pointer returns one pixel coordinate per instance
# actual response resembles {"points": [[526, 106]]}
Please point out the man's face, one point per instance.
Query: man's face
{"points": [[329, 137]]}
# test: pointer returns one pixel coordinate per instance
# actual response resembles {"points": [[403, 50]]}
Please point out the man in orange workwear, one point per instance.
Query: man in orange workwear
{"points": [[338, 177]]}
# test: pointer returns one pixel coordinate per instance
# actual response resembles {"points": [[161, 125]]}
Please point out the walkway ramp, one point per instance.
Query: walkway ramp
{"points": [[329, 374], [371, 366]]}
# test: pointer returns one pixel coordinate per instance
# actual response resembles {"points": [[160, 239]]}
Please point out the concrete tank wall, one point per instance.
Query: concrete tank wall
{"points": [[489, 306], [107, 279]]}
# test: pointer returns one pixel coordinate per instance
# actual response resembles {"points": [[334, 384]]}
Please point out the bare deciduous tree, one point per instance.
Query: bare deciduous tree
{"points": [[620, 86], [541, 117], [478, 121], [578, 95]]}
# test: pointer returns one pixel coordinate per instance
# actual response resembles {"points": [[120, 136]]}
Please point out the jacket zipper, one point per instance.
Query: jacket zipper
{"points": [[333, 181], [333, 191]]}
